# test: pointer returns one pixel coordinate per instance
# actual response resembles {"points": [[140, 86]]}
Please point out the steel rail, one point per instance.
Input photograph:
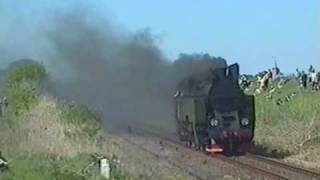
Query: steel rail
{"points": [[287, 170]]}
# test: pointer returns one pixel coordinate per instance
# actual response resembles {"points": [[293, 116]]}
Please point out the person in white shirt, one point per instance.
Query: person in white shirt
{"points": [[313, 76]]}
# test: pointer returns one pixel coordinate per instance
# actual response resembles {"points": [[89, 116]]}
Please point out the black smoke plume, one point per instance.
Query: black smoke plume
{"points": [[121, 74]]}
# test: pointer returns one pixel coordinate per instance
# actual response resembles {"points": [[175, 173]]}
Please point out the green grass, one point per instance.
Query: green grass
{"points": [[23, 86], [40, 167], [292, 126]]}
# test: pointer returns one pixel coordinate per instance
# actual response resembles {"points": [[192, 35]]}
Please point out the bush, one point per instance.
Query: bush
{"points": [[26, 70], [83, 117], [21, 98], [22, 85]]}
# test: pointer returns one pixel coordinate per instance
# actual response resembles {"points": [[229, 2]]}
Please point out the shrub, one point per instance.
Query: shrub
{"points": [[22, 85], [83, 117], [21, 98], [26, 70]]}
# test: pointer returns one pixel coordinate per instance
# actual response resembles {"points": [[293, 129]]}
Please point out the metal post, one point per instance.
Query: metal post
{"points": [[105, 168]]}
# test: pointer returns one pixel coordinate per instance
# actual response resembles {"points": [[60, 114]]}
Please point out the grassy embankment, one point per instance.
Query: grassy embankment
{"points": [[41, 137], [291, 129], [46, 138]]}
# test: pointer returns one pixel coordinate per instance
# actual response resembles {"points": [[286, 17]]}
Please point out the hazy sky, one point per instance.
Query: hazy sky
{"points": [[245, 31]]}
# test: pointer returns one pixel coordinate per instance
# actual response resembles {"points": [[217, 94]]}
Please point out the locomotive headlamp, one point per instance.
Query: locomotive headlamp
{"points": [[244, 121], [214, 122]]}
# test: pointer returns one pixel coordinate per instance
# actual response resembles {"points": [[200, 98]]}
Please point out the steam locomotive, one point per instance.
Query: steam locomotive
{"points": [[216, 115]]}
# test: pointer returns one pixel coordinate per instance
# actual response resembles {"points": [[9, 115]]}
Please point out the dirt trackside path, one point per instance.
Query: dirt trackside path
{"points": [[142, 164], [180, 162]]}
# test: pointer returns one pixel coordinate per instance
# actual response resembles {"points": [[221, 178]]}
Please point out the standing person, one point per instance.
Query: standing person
{"points": [[310, 71], [265, 81], [274, 74], [313, 76], [275, 71], [268, 78], [244, 83], [304, 79], [318, 81]]}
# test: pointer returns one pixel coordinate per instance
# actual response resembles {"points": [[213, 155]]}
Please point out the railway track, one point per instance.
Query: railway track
{"points": [[285, 170], [257, 167]]}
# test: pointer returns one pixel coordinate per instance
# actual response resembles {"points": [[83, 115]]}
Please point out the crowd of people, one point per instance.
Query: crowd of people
{"points": [[270, 81], [273, 78], [312, 77], [266, 79]]}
